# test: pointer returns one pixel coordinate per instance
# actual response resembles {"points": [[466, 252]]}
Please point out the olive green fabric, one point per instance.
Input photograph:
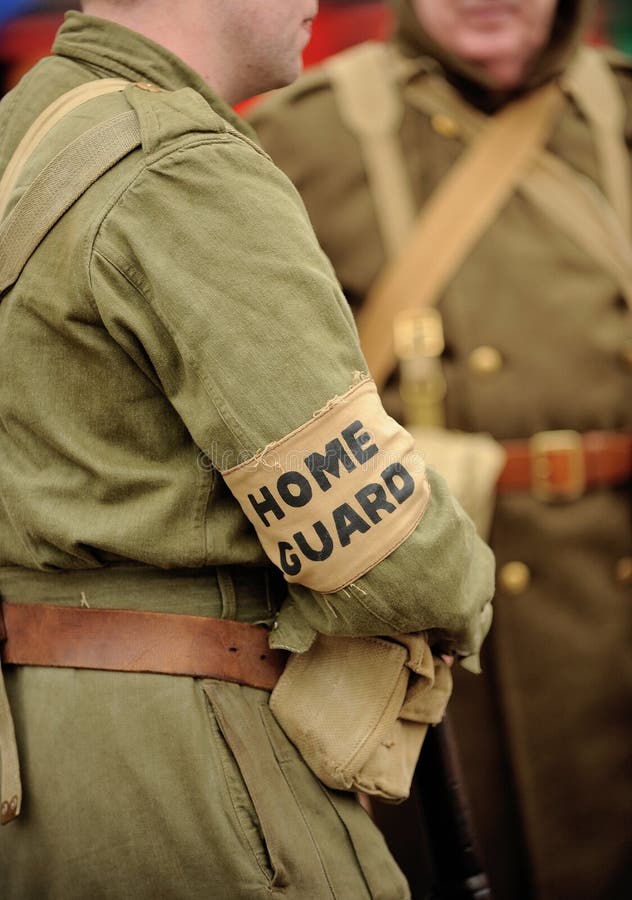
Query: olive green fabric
{"points": [[228, 243], [545, 731], [146, 786], [179, 318]]}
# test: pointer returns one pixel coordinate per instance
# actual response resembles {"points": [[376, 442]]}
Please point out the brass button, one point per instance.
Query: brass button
{"points": [[514, 577], [623, 570], [148, 86], [485, 360], [445, 125], [626, 353]]}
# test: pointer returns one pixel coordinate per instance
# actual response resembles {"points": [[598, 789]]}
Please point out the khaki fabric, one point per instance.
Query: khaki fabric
{"points": [[342, 475], [220, 803], [358, 709], [537, 337], [177, 319], [44, 123], [186, 416], [470, 463]]}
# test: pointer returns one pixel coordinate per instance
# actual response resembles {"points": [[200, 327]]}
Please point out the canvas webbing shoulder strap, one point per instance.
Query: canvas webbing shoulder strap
{"points": [[44, 123], [66, 177], [458, 212], [370, 106], [592, 84], [57, 187]]}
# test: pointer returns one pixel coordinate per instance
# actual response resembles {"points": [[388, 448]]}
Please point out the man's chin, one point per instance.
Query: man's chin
{"points": [[289, 76]]}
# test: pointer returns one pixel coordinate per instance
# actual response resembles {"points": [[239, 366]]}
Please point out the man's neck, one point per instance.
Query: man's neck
{"points": [[191, 38]]}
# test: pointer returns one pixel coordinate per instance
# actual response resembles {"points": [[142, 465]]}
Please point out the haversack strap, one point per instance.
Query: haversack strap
{"points": [[47, 120], [592, 84], [60, 185]]}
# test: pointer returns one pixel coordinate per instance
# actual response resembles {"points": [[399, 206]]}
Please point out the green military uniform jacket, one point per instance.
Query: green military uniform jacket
{"points": [[537, 338], [177, 320]]}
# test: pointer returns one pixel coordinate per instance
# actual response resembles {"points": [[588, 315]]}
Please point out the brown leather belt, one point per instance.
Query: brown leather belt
{"points": [[562, 465], [123, 640]]}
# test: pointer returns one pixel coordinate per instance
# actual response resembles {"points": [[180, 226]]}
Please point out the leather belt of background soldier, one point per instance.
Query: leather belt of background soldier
{"points": [[562, 465]]}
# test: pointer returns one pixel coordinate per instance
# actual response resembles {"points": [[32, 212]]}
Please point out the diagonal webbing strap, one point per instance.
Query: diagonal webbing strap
{"points": [[457, 214], [593, 86], [567, 197], [44, 123], [61, 183]]}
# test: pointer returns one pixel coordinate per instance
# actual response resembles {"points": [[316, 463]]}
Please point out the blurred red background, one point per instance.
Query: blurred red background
{"points": [[339, 24]]}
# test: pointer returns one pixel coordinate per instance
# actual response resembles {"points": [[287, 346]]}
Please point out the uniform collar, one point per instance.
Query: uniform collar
{"points": [[109, 49]]}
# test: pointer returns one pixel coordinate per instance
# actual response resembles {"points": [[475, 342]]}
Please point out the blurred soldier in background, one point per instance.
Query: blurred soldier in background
{"points": [[503, 309]]}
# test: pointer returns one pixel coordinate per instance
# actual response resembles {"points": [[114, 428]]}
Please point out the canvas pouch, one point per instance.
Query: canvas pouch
{"points": [[470, 463], [358, 709]]}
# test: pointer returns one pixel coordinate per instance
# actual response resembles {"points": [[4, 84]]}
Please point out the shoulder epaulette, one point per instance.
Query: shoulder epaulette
{"points": [[168, 116]]}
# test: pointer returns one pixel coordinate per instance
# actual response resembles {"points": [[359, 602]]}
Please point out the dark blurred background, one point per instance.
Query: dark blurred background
{"points": [[27, 28]]}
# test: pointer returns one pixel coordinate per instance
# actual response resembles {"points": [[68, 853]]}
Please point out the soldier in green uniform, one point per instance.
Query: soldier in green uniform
{"points": [[503, 308], [190, 447]]}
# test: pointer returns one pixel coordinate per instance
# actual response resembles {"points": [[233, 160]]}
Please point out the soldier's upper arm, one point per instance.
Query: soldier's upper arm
{"points": [[250, 337]]}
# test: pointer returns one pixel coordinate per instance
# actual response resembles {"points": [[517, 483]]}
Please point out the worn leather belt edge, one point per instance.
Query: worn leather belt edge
{"points": [[122, 640], [607, 457]]}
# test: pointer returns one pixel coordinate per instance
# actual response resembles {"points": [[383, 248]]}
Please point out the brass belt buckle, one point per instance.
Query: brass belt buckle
{"points": [[558, 468]]}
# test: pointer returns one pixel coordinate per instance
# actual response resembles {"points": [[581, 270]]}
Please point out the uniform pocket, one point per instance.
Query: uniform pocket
{"points": [[264, 807], [247, 817], [352, 848], [308, 841]]}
